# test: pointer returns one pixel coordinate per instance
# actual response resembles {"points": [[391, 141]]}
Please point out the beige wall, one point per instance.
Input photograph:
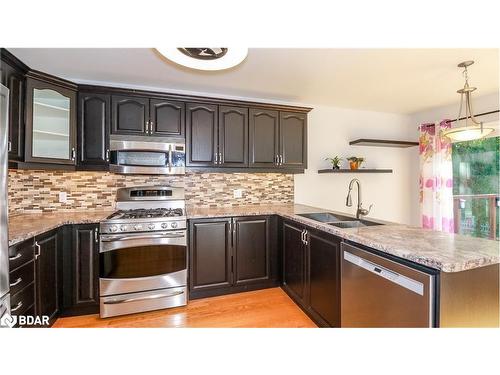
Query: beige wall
{"points": [[394, 196]]}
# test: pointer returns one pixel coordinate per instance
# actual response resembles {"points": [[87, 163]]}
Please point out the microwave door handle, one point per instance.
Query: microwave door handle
{"points": [[170, 158]]}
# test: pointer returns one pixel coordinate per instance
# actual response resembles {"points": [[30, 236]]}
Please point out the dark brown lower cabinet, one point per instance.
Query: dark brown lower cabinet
{"points": [[81, 270], [229, 255], [311, 272], [210, 255], [324, 278], [56, 274], [47, 275], [294, 261]]}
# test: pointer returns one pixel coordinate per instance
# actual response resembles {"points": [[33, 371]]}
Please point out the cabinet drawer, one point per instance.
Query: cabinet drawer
{"points": [[21, 253], [21, 277], [23, 300]]}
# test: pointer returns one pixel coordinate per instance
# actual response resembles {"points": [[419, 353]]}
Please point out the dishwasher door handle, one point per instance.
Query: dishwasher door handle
{"points": [[396, 278]]}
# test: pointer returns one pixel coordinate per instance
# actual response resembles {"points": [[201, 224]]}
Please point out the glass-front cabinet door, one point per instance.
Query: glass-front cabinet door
{"points": [[50, 123]]}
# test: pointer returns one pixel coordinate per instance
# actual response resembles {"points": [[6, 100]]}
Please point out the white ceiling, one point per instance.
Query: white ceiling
{"points": [[387, 80]]}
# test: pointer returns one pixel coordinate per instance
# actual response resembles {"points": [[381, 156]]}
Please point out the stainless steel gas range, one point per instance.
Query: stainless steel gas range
{"points": [[143, 252]]}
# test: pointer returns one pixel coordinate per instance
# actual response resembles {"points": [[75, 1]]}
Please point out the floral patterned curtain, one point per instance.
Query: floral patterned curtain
{"points": [[436, 178]]}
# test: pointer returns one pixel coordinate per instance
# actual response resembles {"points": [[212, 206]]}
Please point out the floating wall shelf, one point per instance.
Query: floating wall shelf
{"points": [[361, 170], [382, 143]]}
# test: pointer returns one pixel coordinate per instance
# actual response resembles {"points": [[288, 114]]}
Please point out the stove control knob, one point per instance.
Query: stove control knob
{"points": [[137, 227], [123, 228], [113, 228], [151, 226], [173, 224], [164, 225]]}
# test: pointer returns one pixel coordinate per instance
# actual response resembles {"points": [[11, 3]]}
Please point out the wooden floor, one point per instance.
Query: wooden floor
{"points": [[268, 308]]}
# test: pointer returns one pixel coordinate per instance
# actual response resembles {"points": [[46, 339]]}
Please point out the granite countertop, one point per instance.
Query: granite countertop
{"points": [[446, 252], [443, 251], [27, 225]]}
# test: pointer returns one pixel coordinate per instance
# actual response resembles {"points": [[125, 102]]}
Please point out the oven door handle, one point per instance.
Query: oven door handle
{"points": [[148, 237], [136, 299]]}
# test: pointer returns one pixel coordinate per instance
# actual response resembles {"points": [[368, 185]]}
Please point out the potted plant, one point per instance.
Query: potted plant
{"points": [[355, 162], [335, 162]]}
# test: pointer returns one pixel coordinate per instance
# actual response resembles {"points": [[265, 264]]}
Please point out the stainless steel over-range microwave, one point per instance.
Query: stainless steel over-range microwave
{"points": [[156, 156]]}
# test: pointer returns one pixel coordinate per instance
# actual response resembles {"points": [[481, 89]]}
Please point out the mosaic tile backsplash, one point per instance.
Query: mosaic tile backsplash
{"points": [[38, 191]]}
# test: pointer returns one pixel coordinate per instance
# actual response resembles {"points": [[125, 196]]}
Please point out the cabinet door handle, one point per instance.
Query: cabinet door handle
{"points": [[96, 237], [10, 146], [38, 248], [19, 279], [220, 157], [306, 241], [151, 123], [281, 159], [73, 154], [107, 155], [215, 158], [302, 235], [231, 231]]}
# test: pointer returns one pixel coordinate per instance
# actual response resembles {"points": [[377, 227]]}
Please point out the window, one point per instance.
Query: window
{"points": [[476, 187]]}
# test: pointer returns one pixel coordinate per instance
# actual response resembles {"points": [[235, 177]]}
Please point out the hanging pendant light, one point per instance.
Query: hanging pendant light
{"points": [[471, 128]]}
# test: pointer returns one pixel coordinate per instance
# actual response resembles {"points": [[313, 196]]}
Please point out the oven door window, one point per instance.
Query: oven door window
{"points": [[142, 261], [140, 158]]}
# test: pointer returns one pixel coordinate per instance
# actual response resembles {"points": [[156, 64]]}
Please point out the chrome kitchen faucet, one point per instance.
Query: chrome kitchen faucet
{"points": [[360, 211]]}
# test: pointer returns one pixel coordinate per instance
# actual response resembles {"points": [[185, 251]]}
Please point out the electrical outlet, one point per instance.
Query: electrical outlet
{"points": [[238, 193], [63, 197]]}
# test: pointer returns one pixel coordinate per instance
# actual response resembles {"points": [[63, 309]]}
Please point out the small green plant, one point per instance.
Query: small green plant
{"points": [[335, 161]]}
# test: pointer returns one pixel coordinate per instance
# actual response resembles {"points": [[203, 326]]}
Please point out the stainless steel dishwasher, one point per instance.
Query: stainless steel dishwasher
{"points": [[379, 292]]}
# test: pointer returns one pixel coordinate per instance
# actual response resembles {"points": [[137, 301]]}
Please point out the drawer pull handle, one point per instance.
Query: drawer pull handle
{"points": [[154, 296], [17, 256], [17, 281], [18, 306]]}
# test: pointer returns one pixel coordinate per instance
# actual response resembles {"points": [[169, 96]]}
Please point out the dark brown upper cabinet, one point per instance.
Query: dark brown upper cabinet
{"points": [[263, 138], [293, 140], [201, 135], [167, 118], [50, 120], [233, 137], [13, 77], [130, 115], [94, 117], [216, 136]]}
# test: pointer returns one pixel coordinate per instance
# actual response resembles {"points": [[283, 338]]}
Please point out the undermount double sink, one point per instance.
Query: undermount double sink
{"points": [[339, 221]]}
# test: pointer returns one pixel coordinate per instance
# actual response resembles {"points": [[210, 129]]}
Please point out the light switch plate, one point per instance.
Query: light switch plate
{"points": [[63, 197], [238, 193]]}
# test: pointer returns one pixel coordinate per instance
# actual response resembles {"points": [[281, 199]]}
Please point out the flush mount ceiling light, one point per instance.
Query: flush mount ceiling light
{"points": [[471, 128], [205, 58]]}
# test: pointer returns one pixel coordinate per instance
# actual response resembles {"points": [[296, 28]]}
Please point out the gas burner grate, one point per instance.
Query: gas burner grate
{"points": [[142, 213]]}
